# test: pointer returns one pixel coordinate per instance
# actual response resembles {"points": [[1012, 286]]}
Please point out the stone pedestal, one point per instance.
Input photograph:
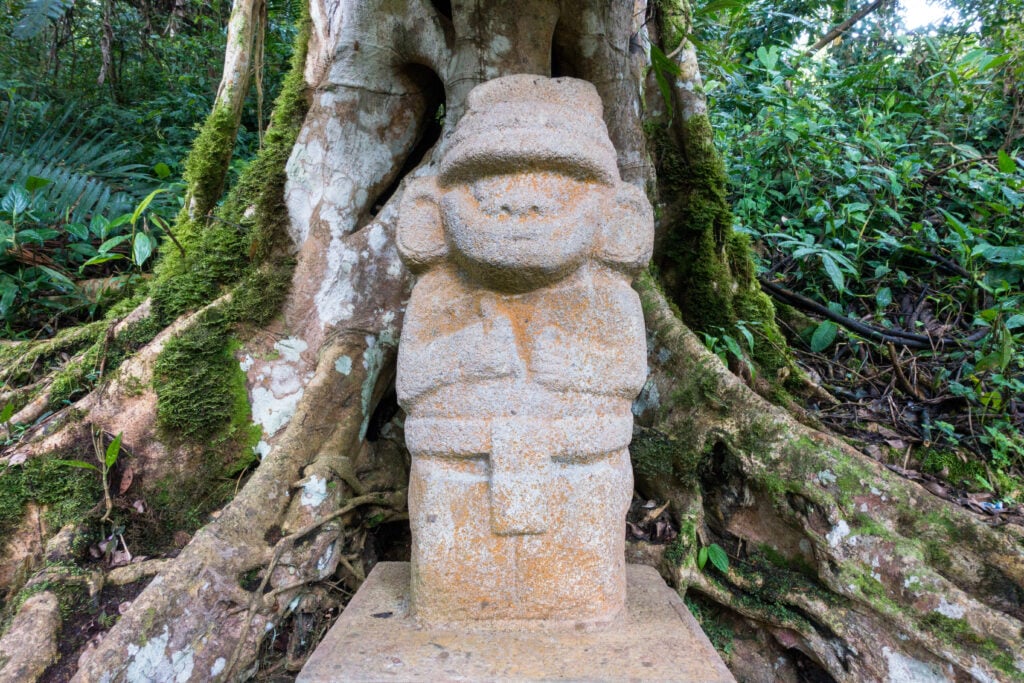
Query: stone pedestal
{"points": [[375, 639]]}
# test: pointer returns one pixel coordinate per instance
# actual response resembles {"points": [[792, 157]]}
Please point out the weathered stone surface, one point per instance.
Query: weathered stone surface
{"points": [[522, 350], [375, 639]]}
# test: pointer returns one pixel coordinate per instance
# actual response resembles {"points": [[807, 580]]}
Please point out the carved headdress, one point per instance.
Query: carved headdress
{"points": [[520, 122]]}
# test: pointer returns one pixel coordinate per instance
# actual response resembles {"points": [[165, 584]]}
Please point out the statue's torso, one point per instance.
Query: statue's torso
{"points": [[567, 349]]}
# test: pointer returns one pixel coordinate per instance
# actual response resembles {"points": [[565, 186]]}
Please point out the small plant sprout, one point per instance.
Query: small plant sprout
{"points": [[716, 554], [107, 458]]}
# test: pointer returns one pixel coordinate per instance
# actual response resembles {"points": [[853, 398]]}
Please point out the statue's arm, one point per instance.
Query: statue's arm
{"points": [[599, 348]]}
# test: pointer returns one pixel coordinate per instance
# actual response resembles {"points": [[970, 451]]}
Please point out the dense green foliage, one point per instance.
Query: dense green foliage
{"points": [[101, 103], [884, 180]]}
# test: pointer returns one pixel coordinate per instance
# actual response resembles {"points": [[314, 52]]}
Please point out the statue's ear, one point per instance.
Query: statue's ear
{"points": [[627, 231], [420, 233]]}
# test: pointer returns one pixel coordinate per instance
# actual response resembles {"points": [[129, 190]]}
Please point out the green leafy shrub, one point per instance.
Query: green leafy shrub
{"points": [[886, 180]]}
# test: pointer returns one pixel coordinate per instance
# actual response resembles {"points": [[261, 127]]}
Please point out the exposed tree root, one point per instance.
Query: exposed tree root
{"points": [[192, 608], [865, 554], [30, 644]]}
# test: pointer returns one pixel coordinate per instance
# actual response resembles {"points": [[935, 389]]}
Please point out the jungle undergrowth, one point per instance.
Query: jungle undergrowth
{"points": [[898, 206]]}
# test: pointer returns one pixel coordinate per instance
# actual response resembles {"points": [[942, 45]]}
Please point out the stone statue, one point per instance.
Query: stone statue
{"points": [[522, 351]]}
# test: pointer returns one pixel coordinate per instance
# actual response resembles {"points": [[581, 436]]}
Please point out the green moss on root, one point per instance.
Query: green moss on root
{"points": [[957, 633], [66, 493], [718, 631], [24, 362], [659, 455], [709, 270], [191, 378], [207, 162], [202, 388], [223, 246], [78, 378], [693, 251], [192, 374]]}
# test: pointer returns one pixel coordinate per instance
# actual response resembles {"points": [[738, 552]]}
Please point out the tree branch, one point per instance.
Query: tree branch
{"points": [[878, 334], [845, 26]]}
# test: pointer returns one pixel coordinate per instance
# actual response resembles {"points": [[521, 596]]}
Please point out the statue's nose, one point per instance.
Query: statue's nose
{"points": [[520, 202], [519, 208]]}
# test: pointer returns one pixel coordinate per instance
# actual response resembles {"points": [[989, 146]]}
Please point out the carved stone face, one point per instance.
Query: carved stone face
{"points": [[523, 230]]}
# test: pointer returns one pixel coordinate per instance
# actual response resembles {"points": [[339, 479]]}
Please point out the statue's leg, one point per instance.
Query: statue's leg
{"points": [[573, 571]]}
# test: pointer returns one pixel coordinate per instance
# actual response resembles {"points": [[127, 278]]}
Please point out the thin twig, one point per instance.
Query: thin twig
{"points": [[988, 158], [904, 382], [845, 26]]}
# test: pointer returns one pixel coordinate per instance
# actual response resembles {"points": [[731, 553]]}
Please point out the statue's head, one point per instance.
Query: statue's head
{"points": [[527, 191]]}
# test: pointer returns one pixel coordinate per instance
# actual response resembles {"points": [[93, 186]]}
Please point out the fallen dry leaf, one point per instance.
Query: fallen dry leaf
{"points": [[126, 480]]}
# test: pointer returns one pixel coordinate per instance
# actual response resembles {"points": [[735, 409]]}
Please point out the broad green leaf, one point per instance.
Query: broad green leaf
{"points": [[120, 220], [79, 231], [748, 336], [661, 65], [144, 204], [162, 170], [10, 293], [113, 450], [768, 57], [1015, 321], [59, 278], [823, 336], [969, 151], [834, 274], [994, 63], [99, 226], [991, 399], [78, 463], [883, 297], [718, 558], [989, 362], [1005, 351], [31, 235], [734, 348], [103, 258], [83, 248], [1013, 197], [1006, 163], [702, 558], [142, 247], [16, 201], [34, 183], [113, 242]]}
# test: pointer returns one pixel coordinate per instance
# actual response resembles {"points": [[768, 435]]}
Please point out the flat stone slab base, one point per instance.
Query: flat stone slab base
{"points": [[657, 639]]}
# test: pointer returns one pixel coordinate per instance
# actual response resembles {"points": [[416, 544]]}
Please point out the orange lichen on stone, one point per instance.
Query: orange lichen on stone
{"points": [[523, 348]]}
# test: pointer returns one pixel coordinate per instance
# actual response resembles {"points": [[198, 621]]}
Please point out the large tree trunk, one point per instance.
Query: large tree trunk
{"points": [[838, 566]]}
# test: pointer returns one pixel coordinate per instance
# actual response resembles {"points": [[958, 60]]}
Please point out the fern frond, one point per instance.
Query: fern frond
{"points": [[87, 170], [35, 14]]}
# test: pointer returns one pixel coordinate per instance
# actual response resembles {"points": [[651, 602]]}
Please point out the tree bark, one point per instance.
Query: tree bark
{"points": [[207, 166]]}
